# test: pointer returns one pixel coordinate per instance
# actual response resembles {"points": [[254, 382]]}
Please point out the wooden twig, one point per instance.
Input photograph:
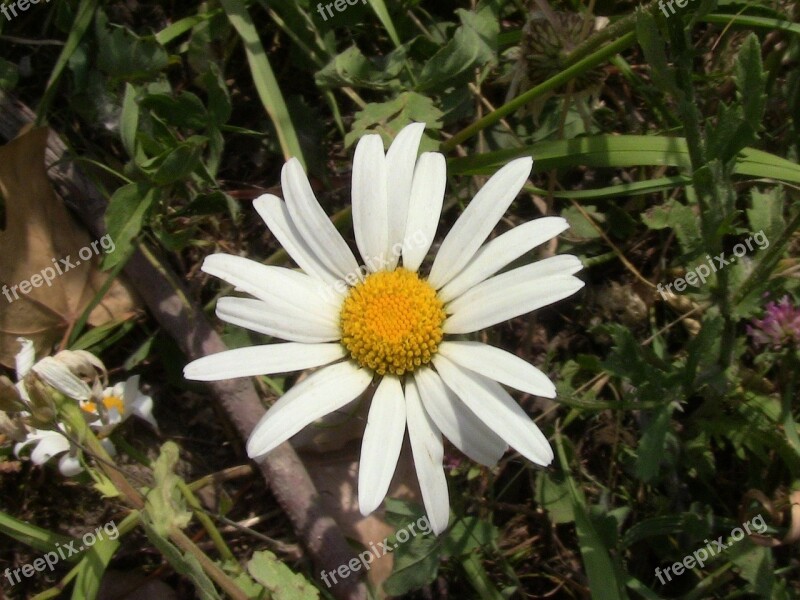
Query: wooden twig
{"points": [[168, 301]]}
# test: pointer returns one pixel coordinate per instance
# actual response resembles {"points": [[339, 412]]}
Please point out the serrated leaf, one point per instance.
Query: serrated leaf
{"points": [[279, 579], [653, 46], [651, 449], [165, 504], [388, 118], [751, 82]]}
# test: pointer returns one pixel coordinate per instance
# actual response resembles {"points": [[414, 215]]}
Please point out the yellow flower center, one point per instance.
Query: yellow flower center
{"points": [[109, 402], [392, 322]]}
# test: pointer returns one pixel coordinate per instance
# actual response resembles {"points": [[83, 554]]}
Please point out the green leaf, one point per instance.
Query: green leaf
{"points": [[603, 574], [468, 534], [756, 566], [184, 110], [766, 212], [415, 565], [177, 163], [125, 217], [651, 451], [31, 535], [279, 579], [751, 82], [681, 219], [9, 75], [264, 79], [653, 46], [165, 504], [184, 564], [552, 494], [474, 44], [621, 151], [92, 567], [388, 118], [129, 122], [126, 56]]}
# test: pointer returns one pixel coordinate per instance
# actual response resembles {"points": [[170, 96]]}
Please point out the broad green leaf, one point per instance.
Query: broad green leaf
{"points": [[552, 494], [126, 56], [474, 44], [756, 566], [125, 217], [129, 122], [279, 579]]}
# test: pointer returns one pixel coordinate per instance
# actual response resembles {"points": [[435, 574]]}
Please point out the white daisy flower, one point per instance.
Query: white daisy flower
{"points": [[118, 403], [384, 322]]}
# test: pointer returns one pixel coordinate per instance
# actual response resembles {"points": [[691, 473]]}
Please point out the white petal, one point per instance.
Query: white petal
{"points": [[276, 215], [51, 444], [428, 452], [502, 366], [287, 324], [322, 392], [313, 224], [501, 251], [25, 358], [262, 360], [278, 285], [493, 405], [478, 219], [55, 374], [458, 424], [142, 407], [400, 160], [424, 209], [513, 293], [69, 465], [371, 202], [380, 448]]}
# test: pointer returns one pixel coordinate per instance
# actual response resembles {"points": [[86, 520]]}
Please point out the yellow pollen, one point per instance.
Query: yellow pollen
{"points": [[392, 322], [114, 402], [109, 402]]}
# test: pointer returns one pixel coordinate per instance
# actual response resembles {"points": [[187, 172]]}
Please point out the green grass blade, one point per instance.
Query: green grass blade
{"points": [[83, 19], [379, 6], [604, 583], [264, 78], [30, 535], [622, 151]]}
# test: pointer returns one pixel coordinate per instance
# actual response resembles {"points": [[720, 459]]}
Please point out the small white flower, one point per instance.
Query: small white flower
{"points": [[118, 403], [50, 443], [389, 322]]}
